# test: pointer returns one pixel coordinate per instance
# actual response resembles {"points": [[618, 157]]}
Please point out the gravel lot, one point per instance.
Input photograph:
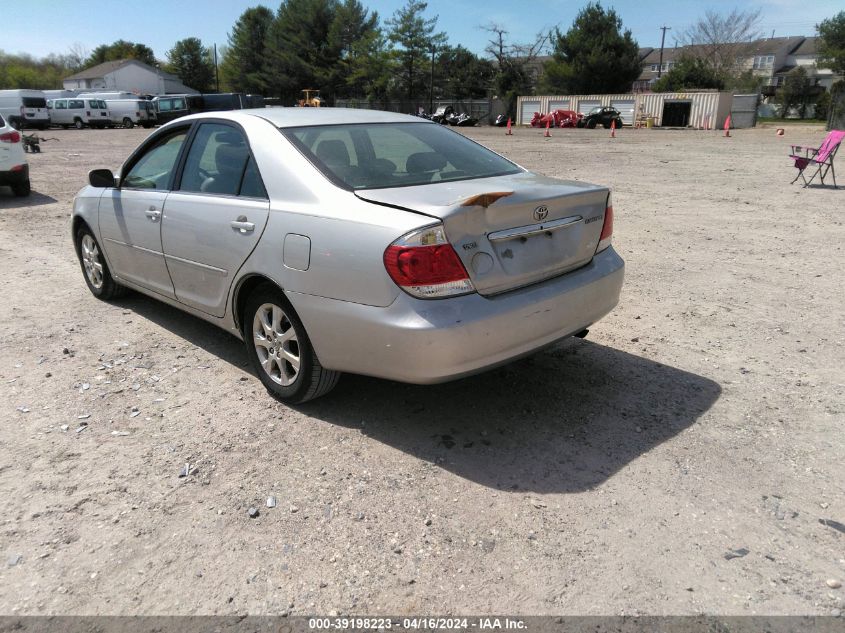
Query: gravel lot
{"points": [[685, 458]]}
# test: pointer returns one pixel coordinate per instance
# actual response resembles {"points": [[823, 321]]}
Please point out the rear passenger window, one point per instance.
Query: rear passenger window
{"points": [[219, 162]]}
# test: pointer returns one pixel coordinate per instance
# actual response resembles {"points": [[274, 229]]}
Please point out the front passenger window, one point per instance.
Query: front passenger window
{"points": [[154, 168]]}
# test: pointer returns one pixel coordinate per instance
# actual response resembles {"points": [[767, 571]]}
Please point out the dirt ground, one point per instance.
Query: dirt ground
{"points": [[687, 457]]}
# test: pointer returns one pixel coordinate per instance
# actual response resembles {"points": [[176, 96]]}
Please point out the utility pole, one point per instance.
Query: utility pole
{"points": [[216, 70], [663, 28], [431, 85]]}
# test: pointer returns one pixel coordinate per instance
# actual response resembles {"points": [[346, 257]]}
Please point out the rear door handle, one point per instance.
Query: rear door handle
{"points": [[153, 214], [243, 225]]}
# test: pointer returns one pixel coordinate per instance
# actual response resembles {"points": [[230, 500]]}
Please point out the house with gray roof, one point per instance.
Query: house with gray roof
{"points": [[126, 75]]}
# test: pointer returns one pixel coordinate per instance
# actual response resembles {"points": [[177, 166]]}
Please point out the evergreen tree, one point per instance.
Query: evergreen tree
{"points": [[298, 53], [595, 56], [242, 68], [415, 37], [121, 49], [192, 63]]}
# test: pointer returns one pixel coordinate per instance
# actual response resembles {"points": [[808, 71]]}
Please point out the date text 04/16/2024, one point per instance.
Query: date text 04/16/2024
{"points": [[416, 623]]}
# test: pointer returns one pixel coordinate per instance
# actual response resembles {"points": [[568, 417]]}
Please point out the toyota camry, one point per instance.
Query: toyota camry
{"points": [[334, 240]]}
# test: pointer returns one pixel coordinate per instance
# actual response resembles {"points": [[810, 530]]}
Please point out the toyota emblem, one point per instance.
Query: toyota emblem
{"points": [[541, 213]]}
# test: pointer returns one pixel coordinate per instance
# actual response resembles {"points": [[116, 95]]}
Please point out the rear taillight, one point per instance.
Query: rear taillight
{"points": [[10, 137], [425, 265], [606, 228]]}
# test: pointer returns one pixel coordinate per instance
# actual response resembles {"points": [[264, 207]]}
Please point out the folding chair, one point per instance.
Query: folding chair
{"points": [[821, 158]]}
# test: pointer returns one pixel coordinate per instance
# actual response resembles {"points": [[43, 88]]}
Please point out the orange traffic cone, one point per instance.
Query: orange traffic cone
{"points": [[510, 132], [613, 128], [548, 134], [728, 126]]}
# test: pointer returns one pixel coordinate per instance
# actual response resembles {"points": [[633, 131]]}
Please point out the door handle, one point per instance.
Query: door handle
{"points": [[153, 214], [242, 225]]}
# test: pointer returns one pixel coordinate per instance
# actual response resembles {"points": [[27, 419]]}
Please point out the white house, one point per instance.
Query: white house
{"points": [[127, 75]]}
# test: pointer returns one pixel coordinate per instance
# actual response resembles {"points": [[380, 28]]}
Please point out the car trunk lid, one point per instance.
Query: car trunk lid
{"points": [[509, 231]]}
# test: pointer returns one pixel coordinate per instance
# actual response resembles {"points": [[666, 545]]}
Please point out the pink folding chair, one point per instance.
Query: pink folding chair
{"points": [[821, 158]]}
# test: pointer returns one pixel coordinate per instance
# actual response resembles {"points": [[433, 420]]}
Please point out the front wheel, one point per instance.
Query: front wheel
{"points": [[94, 267], [280, 350], [78, 124], [127, 123], [591, 124]]}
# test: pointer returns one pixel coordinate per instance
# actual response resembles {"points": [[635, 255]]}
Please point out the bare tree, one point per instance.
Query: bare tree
{"points": [[516, 64], [721, 38], [76, 55]]}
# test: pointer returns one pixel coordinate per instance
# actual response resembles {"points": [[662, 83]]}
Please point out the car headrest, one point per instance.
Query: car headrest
{"points": [[230, 157], [422, 162], [333, 153]]}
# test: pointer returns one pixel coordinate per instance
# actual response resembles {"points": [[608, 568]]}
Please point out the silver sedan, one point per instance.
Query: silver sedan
{"points": [[335, 240]]}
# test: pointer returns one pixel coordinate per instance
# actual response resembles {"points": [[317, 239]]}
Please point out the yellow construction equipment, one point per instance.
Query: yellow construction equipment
{"points": [[311, 99]]}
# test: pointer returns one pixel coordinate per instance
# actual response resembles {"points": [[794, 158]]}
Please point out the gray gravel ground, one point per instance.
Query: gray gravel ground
{"points": [[687, 457]]}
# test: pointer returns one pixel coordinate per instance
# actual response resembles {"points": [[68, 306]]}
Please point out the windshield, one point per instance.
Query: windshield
{"points": [[595, 110], [380, 155]]}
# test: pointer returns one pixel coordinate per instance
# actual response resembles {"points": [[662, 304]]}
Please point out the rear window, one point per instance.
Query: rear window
{"points": [[34, 102], [382, 155], [75, 103]]}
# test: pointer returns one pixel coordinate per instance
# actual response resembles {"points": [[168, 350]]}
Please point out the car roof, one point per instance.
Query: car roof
{"points": [[296, 117]]}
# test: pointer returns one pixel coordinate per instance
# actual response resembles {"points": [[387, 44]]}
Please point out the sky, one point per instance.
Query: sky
{"points": [[40, 27]]}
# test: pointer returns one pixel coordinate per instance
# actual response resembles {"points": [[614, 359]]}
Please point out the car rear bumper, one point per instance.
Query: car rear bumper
{"points": [[17, 177], [432, 341]]}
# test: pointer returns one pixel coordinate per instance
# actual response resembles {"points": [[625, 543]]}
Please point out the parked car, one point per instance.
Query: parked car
{"points": [[79, 112], [131, 112], [172, 107], [24, 109], [14, 170], [334, 240], [601, 115]]}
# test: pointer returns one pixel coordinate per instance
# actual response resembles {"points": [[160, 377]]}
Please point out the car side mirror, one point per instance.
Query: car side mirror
{"points": [[101, 178]]}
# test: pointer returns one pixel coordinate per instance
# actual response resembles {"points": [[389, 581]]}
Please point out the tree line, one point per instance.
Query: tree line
{"points": [[347, 51]]}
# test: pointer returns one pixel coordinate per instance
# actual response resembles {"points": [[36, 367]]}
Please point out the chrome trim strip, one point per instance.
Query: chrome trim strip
{"points": [[533, 229], [219, 271]]}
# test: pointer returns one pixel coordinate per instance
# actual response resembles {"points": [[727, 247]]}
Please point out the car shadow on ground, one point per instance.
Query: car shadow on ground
{"points": [[193, 329], [9, 200], [564, 420]]}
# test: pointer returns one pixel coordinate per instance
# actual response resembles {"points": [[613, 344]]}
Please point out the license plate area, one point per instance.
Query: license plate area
{"points": [[539, 248]]}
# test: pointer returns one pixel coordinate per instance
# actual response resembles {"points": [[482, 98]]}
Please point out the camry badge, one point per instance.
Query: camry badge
{"points": [[541, 213]]}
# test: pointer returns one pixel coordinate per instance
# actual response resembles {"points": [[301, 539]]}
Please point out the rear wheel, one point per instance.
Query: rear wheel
{"points": [[22, 189], [127, 122], [591, 124], [97, 275], [280, 350], [78, 124]]}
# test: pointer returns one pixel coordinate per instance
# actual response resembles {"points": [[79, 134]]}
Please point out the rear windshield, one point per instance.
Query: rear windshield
{"points": [[381, 155], [34, 102]]}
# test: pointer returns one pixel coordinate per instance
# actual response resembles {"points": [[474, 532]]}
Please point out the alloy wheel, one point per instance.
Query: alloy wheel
{"points": [[276, 344], [91, 261]]}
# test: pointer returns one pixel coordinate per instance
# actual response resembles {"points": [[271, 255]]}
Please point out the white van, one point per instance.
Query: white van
{"points": [[131, 112], [79, 113], [25, 108]]}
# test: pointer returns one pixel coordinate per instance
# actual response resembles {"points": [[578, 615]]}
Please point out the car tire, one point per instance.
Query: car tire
{"points": [[78, 124], [94, 267], [127, 123], [270, 325], [22, 189], [591, 124]]}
